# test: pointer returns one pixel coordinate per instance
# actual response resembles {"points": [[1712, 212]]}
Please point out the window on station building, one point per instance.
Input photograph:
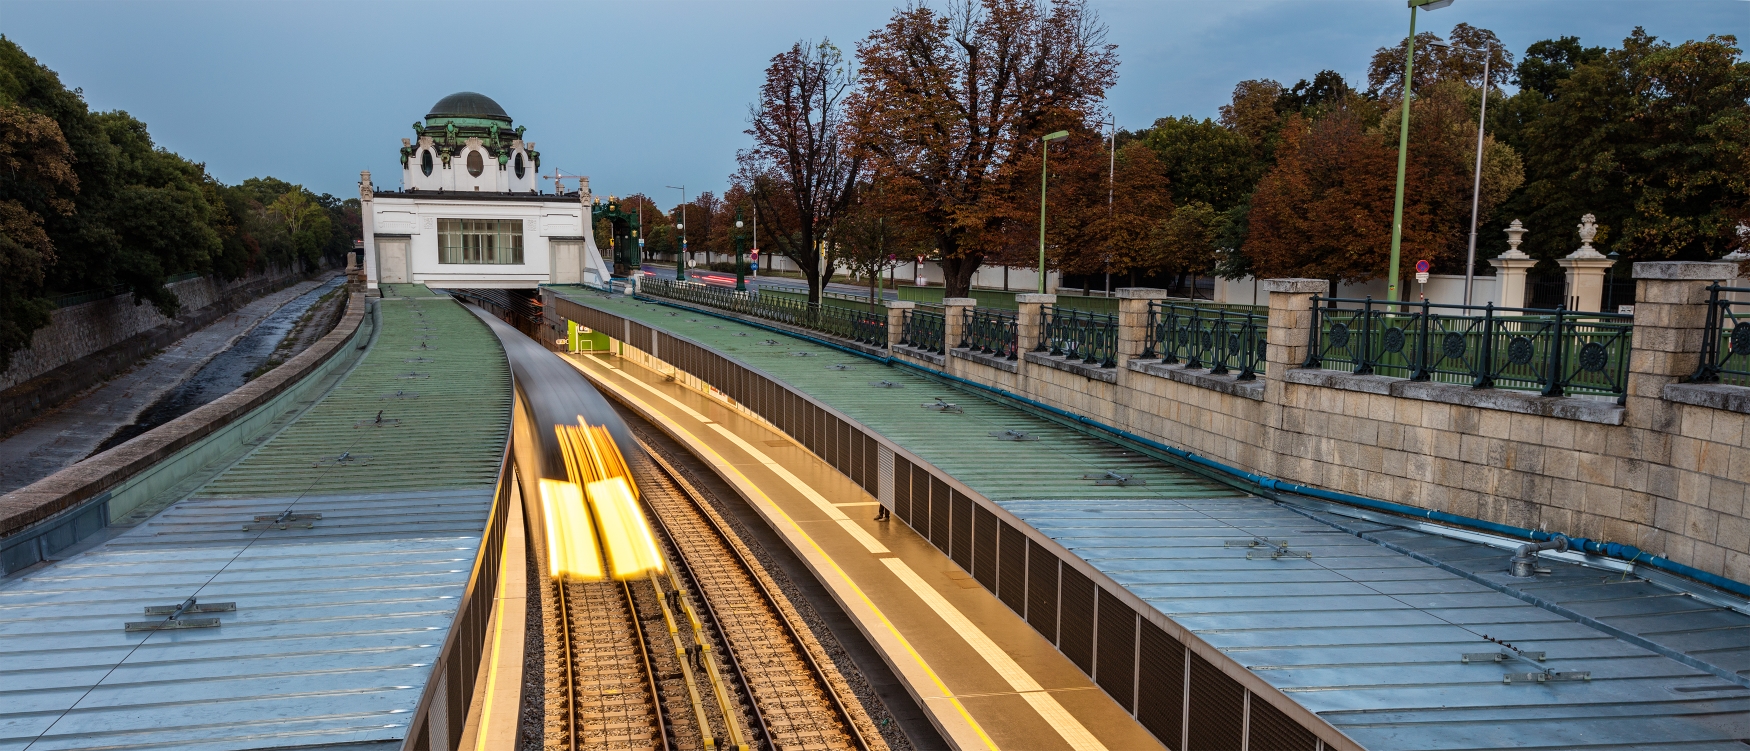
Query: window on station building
{"points": [[519, 166], [425, 162], [476, 165], [484, 241]]}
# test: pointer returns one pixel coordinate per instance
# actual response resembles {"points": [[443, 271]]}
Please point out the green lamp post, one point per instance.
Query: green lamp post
{"points": [[1044, 158], [740, 273], [1397, 214]]}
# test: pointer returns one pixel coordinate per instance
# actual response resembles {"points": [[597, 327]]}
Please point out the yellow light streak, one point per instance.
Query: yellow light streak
{"points": [[594, 463], [572, 551]]}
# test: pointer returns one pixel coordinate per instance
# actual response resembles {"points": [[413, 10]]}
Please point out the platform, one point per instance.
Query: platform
{"points": [[1360, 631], [336, 624]]}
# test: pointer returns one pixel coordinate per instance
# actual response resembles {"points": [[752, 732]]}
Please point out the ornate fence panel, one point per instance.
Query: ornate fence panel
{"points": [[1725, 343], [847, 323], [1554, 352], [1093, 337], [992, 332], [1219, 339], [925, 329]]}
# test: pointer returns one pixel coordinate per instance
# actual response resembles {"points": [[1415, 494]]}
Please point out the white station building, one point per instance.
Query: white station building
{"points": [[470, 213]]}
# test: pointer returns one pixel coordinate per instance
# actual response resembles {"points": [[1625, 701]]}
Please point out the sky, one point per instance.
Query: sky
{"points": [[640, 94]]}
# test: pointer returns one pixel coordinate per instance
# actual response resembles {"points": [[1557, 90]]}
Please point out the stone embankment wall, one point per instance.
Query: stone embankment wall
{"points": [[1666, 471], [88, 343]]}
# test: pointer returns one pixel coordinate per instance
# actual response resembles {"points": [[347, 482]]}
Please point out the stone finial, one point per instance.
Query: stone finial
{"points": [[406, 142], [1515, 236], [1588, 230], [365, 185]]}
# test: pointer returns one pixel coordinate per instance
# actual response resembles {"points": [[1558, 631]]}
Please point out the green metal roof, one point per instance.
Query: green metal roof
{"points": [[445, 429], [960, 444]]}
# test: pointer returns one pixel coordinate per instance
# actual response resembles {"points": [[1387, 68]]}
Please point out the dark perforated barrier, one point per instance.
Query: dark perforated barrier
{"points": [[1187, 702]]}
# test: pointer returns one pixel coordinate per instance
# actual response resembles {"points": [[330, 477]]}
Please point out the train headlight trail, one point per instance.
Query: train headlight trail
{"points": [[573, 554], [626, 536], [593, 463]]}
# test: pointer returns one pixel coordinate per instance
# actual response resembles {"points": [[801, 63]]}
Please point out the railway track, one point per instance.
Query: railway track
{"points": [[707, 655]]}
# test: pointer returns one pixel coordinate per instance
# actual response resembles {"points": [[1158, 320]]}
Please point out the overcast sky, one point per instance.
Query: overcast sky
{"points": [[639, 95]]}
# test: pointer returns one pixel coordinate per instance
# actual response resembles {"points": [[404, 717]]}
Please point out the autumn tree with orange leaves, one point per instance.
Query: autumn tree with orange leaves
{"points": [[950, 100], [802, 170]]}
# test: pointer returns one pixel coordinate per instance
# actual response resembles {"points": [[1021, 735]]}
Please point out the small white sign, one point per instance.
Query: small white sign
{"points": [[1627, 310]]}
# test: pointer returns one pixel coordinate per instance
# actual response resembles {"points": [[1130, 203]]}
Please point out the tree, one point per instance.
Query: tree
{"points": [[1653, 139], [1253, 115], [1203, 160], [1317, 213], [1453, 62], [36, 179], [877, 232], [949, 100], [802, 169], [1190, 240]]}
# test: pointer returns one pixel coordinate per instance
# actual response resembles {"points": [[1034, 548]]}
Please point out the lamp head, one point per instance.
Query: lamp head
{"points": [[1430, 4], [1062, 134]]}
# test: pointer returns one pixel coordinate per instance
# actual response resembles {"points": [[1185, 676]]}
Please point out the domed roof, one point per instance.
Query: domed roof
{"points": [[468, 104]]}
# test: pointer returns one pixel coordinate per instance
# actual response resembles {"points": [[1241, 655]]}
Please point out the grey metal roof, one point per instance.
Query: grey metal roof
{"points": [[1371, 639], [1369, 631], [336, 627]]}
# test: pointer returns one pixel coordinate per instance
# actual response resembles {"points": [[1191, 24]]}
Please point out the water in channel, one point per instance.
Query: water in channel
{"points": [[227, 370]]}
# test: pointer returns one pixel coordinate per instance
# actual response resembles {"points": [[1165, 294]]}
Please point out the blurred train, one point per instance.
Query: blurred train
{"points": [[569, 448]]}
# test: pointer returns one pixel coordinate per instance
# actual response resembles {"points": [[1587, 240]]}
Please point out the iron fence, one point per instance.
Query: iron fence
{"points": [[1066, 332], [991, 332], [1219, 339], [846, 323], [926, 330], [1725, 342], [1554, 352]]}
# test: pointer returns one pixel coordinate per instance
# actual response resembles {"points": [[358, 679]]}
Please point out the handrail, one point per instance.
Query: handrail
{"points": [[457, 668], [1067, 332], [992, 332], [926, 330], [1725, 350], [1203, 337], [856, 325], [1555, 352]]}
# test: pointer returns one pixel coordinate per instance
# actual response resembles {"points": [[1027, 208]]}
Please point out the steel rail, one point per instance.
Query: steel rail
{"points": [[791, 629]]}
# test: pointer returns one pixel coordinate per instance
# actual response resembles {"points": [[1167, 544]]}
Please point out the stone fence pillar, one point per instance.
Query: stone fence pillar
{"points": [[1133, 305], [1290, 333], [896, 320], [1670, 314], [954, 327], [1027, 331]]}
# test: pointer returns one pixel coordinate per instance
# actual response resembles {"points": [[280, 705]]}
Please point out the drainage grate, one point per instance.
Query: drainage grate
{"points": [[942, 406], [885, 385], [1013, 435]]}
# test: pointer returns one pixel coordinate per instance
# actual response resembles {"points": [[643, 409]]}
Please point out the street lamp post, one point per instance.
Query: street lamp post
{"points": [[740, 275], [1397, 216], [680, 256], [1044, 159], [1476, 193]]}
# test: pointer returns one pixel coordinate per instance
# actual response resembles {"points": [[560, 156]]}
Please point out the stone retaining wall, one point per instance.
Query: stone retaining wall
{"points": [[1667, 472]]}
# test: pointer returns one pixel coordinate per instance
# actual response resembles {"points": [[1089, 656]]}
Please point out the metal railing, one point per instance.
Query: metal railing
{"points": [[1725, 342], [443, 705], [926, 330], [1554, 352], [1066, 332], [1203, 337], [992, 332], [846, 323]]}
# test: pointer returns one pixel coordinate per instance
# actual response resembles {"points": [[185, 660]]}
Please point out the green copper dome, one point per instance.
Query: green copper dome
{"points": [[467, 104]]}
